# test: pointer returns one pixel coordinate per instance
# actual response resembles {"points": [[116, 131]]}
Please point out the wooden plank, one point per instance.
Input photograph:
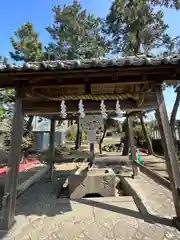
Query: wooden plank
{"points": [[169, 149], [9, 202]]}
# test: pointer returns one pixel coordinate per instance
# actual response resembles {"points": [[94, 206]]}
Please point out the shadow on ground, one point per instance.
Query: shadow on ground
{"points": [[40, 200]]}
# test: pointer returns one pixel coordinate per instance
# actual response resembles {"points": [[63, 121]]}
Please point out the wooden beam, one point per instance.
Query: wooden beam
{"points": [[121, 69], [125, 74], [55, 110], [9, 199], [87, 88], [132, 146], [169, 149], [72, 106]]}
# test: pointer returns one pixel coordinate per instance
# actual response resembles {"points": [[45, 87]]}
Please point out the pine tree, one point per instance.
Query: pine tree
{"points": [[75, 34], [26, 44], [167, 3], [135, 27]]}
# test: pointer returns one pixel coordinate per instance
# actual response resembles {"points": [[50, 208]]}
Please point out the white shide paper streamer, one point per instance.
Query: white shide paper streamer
{"points": [[63, 109], [103, 109], [81, 109], [119, 112]]}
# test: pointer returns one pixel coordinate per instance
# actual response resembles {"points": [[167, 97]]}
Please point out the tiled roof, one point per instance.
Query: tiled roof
{"points": [[141, 60]]}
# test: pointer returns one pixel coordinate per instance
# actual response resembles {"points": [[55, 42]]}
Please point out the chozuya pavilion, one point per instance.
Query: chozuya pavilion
{"points": [[60, 88]]}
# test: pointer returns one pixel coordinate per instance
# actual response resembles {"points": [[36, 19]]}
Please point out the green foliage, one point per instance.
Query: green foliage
{"points": [[6, 103], [27, 138], [138, 132], [84, 136], [135, 27], [75, 33], [26, 44], [71, 133], [167, 3]]}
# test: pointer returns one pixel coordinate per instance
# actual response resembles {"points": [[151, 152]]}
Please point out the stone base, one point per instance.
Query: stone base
{"points": [[94, 181]]}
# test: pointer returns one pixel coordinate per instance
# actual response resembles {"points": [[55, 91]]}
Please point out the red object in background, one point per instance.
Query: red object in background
{"points": [[22, 166]]}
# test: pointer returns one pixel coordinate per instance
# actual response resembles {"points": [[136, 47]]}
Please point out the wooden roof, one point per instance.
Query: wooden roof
{"points": [[129, 79]]}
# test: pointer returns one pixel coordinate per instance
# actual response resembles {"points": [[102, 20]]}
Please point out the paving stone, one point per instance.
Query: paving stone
{"points": [[40, 216]]}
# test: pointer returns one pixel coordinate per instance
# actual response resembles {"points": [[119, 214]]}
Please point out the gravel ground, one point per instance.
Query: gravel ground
{"points": [[23, 176]]}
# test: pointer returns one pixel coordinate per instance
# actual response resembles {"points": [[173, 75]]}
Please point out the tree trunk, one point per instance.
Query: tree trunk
{"points": [[174, 113], [147, 138], [126, 140], [101, 141]]}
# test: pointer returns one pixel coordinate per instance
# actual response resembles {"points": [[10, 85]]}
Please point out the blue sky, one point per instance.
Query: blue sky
{"points": [[15, 13]]}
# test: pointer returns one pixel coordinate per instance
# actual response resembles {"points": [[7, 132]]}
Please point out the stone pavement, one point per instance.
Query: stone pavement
{"points": [[156, 164], [40, 216], [156, 198]]}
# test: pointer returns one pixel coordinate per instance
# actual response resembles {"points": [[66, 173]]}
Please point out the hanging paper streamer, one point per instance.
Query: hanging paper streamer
{"points": [[81, 109], [103, 109], [118, 109], [63, 109]]}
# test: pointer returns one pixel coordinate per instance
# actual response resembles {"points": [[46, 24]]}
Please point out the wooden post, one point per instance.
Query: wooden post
{"points": [[52, 147], [92, 148], [146, 135], [132, 146], [169, 149], [78, 136], [9, 199], [126, 139]]}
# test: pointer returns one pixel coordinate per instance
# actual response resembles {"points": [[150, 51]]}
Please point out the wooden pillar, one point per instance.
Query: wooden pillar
{"points": [[10, 192], [146, 135], [78, 136], [132, 146], [126, 139], [52, 147], [169, 149], [92, 148]]}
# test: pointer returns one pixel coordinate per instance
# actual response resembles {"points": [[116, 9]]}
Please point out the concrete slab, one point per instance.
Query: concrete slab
{"points": [[40, 216], [157, 199], [95, 181]]}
